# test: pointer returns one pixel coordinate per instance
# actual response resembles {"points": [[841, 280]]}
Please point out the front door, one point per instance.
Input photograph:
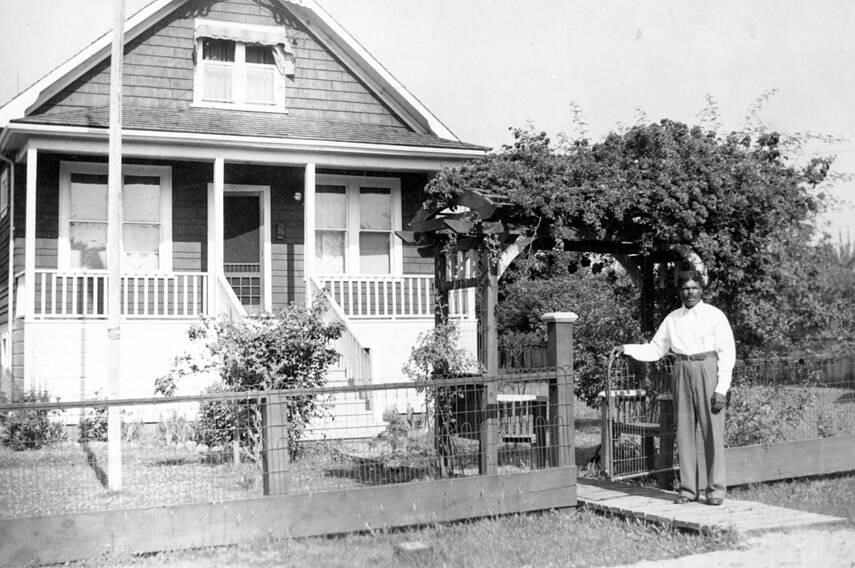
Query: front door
{"points": [[242, 248]]}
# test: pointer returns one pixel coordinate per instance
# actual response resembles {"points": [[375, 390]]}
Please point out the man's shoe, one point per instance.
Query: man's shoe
{"points": [[715, 501], [682, 500]]}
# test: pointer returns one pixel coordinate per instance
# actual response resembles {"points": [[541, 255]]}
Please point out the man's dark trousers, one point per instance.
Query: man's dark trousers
{"points": [[694, 386]]}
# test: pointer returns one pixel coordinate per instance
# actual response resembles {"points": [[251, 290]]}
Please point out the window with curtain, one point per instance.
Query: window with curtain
{"points": [[240, 67], [260, 75], [87, 222], [375, 227], [331, 228], [218, 69], [355, 223]]}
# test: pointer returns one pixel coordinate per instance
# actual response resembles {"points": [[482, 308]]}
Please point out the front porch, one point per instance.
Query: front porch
{"points": [[192, 250]]}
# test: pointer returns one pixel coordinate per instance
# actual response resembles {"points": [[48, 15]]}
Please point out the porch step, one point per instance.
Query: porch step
{"points": [[348, 414]]}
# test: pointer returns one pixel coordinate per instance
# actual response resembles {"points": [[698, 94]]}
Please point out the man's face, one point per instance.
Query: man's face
{"points": [[690, 294]]}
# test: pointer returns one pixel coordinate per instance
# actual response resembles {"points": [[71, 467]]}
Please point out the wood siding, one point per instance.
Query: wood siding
{"points": [[190, 216], [5, 224], [17, 353], [287, 226], [158, 71], [412, 196]]}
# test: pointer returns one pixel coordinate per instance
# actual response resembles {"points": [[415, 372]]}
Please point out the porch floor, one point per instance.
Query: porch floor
{"points": [[657, 506]]}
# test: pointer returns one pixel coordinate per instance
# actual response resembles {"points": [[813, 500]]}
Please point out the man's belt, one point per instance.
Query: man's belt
{"points": [[696, 356]]}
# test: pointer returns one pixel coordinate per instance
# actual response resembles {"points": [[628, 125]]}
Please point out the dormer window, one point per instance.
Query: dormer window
{"points": [[241, 66]]}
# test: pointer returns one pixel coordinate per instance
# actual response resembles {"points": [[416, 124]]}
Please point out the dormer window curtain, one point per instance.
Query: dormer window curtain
{"points": [[242, 65]]}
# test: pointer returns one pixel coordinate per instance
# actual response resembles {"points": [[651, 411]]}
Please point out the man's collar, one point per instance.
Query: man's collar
{"points": [[692, 309]]}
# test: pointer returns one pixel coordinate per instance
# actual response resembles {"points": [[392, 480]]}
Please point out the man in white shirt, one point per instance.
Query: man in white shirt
{"points": [[700, 338]]}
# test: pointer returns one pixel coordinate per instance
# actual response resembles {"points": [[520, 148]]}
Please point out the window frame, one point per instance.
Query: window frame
{"points": [[66, 169], [352, 185], [239, 69]]}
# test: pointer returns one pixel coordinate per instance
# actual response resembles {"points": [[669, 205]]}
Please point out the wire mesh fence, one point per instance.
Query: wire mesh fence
{"points": [[229, 446], [770, 401]]}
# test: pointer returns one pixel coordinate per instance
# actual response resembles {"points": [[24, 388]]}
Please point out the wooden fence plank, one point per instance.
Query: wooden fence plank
{"points": [[753, 464], [60, 538]]}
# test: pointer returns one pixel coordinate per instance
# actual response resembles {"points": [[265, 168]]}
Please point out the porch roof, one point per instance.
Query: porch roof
{"points": [[246, 123]]}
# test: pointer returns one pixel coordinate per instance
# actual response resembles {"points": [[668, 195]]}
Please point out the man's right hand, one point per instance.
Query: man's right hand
{"points": [[617, 351]]}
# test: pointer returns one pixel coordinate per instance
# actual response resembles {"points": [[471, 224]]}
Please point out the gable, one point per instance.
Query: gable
{"points": [[159, 70]]}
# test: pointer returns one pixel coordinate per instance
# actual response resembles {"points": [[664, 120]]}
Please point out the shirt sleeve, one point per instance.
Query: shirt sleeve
{"points": [[653, 351], [726, 349]]}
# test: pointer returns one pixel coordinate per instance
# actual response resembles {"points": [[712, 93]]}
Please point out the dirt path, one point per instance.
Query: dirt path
{"points": [[830, 548]]}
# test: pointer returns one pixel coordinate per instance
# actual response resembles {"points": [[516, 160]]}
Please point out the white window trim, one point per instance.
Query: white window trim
{"points": [[352, 185], [163, 172], [239, 67]]}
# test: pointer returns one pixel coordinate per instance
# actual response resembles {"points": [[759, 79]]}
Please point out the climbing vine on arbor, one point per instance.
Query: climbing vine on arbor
{"points": [[737, 199]]}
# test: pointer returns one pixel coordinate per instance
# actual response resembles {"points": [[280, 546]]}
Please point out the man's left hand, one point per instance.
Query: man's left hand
{"points": [[718, 402]]}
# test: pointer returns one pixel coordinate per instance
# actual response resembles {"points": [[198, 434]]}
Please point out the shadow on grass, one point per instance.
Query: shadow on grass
{"points": [[92, 462], [846, 398], [171, 462], [375, 472]]}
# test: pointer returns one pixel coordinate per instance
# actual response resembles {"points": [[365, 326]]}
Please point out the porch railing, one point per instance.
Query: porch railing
{"points": [[225, 300], [76, 294], [355, 358], [410, 296]]}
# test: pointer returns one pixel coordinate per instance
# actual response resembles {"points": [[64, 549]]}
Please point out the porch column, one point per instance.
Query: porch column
{"points": [[30, 262], [309, 230], [215, 235]]}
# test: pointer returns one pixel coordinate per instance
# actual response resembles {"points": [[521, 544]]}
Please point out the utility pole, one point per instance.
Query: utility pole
{"points": [[114, 249]]}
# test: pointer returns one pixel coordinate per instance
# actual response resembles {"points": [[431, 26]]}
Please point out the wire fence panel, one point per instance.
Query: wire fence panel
{"points": [[233, 446], [791, 399], [770, 401]]}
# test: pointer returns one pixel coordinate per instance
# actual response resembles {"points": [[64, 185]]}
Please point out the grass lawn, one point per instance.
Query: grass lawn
{"points": [[563, 538], [571, 538], [830, 495]]}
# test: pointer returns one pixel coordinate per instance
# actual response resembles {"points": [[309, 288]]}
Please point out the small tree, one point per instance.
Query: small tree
{"points": [[438, 355], [737, 199], [289, 350]]}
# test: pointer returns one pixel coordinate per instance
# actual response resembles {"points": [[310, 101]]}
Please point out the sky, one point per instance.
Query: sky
{"points": [[486, 66]]}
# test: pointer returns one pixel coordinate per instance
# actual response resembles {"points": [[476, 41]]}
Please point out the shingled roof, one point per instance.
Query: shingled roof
{"points": [[246, 123]]}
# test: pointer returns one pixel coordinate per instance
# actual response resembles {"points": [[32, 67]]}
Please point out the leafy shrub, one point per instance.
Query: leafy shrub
{"points": [[175, 429], [289, 350], [606, 303], [764, 413], [95, 422], [32, 429], [93, 425], [405, 433], [438, 354]]}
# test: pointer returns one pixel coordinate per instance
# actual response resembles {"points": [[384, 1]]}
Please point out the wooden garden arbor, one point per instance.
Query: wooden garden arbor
{"points": [[472, 245]]}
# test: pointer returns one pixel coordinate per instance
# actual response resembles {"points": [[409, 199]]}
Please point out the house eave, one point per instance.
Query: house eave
{"points": [[183, 145]]}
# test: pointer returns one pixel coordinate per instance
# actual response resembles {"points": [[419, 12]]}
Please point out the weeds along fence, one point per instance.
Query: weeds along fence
{"points": [[226, 446], [777, 408], [791, 399]]}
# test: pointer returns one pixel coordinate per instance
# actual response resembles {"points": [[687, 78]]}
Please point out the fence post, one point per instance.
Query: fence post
{"points": [[559, 354], [275, 458]]}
